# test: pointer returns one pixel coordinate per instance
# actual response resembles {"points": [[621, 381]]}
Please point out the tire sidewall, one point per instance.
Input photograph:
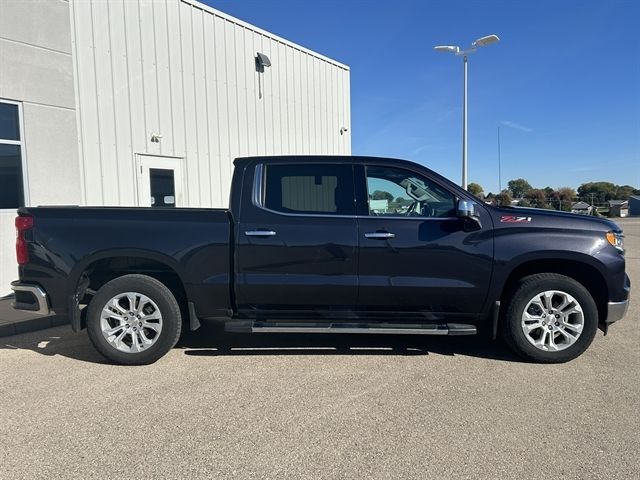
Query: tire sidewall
{"points": [[156, 291], [528, 288]]}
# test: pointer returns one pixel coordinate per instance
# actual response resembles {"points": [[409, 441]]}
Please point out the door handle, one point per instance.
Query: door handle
{"points": [[260, 233], [380, 235]]}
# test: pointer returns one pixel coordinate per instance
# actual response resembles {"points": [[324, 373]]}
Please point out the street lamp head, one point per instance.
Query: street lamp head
{"points": [[484, 41], [480, 42], [447, 48]]}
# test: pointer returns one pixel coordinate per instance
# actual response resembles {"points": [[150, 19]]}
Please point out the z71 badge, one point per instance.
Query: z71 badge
{"points": [[513, 219]]}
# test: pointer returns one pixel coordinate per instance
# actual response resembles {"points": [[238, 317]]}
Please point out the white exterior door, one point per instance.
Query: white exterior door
{"points": [[160, 181]]}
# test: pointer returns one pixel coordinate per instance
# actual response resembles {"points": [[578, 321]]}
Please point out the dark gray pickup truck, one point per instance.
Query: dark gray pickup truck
{"points": [[325, 245]]}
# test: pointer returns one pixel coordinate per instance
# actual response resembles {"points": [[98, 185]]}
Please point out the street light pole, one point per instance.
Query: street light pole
{"points": [[499, 163], [464, 128], [457, 51]]}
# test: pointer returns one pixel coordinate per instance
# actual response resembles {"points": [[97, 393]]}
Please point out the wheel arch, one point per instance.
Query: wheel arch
{"points": [[585, 273], [93, 272]]}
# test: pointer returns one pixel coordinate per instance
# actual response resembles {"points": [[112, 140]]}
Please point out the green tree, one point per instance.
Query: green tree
{"points": [[518, 187], [600, 192], [565, 197], [475, 189], [380, 195], [504, 198], [537, 198], [623, 192]]}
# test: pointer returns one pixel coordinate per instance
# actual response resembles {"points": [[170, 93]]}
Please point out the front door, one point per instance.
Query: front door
{"points": [[415, 259], [160, 181], [297, 241]]}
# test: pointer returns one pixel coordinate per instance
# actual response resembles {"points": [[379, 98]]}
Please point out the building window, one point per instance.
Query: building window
{"points": [[310, 189], [11, 181]]}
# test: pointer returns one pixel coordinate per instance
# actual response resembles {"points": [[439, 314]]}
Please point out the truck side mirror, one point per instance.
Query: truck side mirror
{"points": [[467, 211]]}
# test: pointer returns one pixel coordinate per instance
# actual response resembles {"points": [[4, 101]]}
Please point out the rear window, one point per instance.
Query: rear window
{"points": [[310, 189]]}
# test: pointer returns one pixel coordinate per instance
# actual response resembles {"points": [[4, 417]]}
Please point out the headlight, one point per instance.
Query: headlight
{"points": [[617, 240]]}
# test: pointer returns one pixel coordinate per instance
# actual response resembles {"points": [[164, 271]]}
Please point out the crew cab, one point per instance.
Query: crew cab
{"points": [[325, 244]]}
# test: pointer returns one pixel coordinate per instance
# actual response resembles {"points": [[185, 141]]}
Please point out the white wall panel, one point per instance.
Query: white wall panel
{"points": [[35, 75], [140, 134], [51, 149], [150, 73], [36, 70], [121, 105], [187, 72], [176, 130], [43, 24]]}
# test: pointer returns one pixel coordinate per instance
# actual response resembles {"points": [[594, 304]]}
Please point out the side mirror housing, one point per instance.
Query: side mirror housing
{"points": [[466, 208], [467, 211]]}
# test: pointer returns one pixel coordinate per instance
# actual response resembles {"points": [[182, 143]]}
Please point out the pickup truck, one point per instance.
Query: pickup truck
{"points": [[325, 244]]}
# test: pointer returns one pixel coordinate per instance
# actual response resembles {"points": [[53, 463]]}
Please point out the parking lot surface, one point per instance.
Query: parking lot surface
{"points": [[231, 406]]}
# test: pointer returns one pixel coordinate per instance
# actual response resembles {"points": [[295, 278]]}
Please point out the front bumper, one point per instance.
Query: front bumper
{"points": [[31, 298], [616, 310]]}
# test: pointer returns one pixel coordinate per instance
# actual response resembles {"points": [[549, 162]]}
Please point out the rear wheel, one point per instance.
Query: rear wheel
{"points": [[550, 318], [134, 320]]}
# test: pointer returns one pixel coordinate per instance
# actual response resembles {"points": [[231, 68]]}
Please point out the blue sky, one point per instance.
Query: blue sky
{"points": [[563, 84]]}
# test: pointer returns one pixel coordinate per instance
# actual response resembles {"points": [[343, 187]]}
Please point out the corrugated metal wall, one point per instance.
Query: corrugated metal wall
{"points": [[187, 72]]}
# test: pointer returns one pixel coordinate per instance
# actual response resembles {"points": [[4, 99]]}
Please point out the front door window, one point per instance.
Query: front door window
{"points": [[398, 192]]}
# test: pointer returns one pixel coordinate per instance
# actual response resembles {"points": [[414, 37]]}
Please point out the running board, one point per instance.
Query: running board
{"points": [[249, 326]]}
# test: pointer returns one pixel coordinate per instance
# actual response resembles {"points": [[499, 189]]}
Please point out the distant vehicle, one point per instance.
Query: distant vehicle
{"points": [[582, 208], [302, 249]]}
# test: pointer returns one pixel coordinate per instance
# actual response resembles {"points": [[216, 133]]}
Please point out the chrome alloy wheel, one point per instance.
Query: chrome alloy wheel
{"points": [[131, 322], [552, 320]]}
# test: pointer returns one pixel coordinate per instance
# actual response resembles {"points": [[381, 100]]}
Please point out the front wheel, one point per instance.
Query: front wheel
{"points": [[134, 320], [550, 318]]}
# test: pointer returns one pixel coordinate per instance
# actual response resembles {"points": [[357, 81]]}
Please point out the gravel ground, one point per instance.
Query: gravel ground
{"points": [[222, 406]]}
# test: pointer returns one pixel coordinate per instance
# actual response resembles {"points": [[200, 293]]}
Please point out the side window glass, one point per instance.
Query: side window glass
{"points": [[398, 192], [309, 189]]}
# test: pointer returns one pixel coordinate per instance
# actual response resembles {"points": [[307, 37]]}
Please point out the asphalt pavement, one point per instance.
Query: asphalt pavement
{"points": [[293, 406]]}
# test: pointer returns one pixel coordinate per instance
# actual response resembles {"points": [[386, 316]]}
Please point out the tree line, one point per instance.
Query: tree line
{"points": [[593, 193]]}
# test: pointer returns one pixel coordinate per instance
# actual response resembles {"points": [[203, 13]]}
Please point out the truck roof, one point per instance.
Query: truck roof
{"points": [[242, 161]]}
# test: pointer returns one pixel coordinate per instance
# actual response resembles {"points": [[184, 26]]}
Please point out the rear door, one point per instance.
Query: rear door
{"points": [[297, 240], [415, 259]]}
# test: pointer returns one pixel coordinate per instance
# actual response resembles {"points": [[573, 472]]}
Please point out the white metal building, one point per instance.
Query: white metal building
{"points": [[141, 102]]}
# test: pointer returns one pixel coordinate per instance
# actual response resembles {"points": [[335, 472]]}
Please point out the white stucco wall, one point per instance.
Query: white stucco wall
{"points": [[36, 70]]}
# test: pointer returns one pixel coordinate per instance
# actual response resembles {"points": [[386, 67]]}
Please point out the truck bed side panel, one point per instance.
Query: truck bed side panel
{"points": [[66, 241]]}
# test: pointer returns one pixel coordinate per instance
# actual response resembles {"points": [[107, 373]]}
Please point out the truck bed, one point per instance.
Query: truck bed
{"points": [[66, 242]]}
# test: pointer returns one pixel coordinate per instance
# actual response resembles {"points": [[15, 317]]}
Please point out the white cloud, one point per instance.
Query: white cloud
{"points": [[517, 126]]}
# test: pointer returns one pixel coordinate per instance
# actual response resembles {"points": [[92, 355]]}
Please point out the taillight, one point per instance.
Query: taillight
{"points": [[22, 225]]}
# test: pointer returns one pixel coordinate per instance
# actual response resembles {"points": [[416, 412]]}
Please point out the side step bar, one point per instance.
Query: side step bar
{"points": [[249, 326]]}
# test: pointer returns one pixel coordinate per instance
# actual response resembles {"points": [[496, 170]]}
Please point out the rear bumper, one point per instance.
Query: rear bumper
{"points": [[31, 298]]}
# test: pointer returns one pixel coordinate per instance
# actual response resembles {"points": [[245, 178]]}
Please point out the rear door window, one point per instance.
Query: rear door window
{"points": [[325, 189]]}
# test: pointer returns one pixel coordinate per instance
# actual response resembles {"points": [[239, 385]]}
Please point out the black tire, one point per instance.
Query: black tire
{"points": [[527, 288], [157, 292]]}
